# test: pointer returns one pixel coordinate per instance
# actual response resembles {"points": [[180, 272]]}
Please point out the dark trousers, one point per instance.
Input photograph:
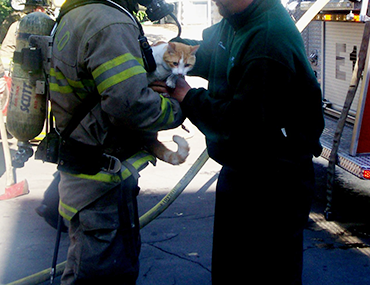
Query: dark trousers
{"points": [[104, 247], [260, 215]]}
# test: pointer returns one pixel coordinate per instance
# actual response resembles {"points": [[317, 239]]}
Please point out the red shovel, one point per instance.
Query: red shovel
{"points": [[12, 189]]}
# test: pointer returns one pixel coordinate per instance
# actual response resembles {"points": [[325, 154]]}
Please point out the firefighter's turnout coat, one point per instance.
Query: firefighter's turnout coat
{"points": [[96, 53]]}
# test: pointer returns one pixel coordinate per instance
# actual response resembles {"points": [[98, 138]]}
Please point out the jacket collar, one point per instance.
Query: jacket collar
{"points": [[253, 11]]}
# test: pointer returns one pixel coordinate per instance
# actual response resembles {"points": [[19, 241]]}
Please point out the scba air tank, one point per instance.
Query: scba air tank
{"points": [[26, 110]]}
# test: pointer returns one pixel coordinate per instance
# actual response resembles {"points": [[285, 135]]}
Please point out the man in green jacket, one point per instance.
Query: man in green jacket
{"points": [[262, 118]]}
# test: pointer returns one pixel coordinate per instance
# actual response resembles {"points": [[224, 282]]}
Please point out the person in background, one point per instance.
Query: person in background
{"points": [[8, 45]]}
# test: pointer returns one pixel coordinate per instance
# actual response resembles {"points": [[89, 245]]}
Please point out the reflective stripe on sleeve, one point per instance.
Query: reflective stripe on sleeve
{"points": [[117, 70], [166, 117], [59, 83]]}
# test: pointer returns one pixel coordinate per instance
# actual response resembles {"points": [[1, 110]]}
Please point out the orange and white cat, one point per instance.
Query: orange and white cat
{"points": [[173, 60]]}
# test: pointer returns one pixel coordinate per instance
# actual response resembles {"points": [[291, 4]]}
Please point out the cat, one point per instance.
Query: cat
{"points": [[173, 60]]}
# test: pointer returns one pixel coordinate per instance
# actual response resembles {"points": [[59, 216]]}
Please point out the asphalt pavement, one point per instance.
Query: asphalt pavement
{"points": [[176, 247]]}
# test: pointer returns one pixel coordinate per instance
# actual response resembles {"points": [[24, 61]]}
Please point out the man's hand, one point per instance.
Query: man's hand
{"points": [[180, 91], [160, 87], [182, 88]]}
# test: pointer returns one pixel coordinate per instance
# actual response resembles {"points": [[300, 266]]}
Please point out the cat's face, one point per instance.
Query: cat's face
{"points": [[180, 58]]}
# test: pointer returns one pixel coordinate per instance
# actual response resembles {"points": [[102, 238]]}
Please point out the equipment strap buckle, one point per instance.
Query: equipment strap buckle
{"points": [[30, 59], [111, 164]]}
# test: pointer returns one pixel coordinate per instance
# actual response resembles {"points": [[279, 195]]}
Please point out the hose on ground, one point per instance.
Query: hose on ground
{"points": [[144, 220], [175, 192]]}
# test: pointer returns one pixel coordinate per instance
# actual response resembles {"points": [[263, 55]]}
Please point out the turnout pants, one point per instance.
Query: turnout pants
{"points": [[260, 215], [104, 246]]}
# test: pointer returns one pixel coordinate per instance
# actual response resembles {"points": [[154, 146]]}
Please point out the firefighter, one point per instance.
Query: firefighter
{"points": [[8, 45], [262, 118], [98, 71]]}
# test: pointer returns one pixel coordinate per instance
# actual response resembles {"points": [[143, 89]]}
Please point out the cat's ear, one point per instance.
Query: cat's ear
{"points": [[194, 49], [171, 47]]}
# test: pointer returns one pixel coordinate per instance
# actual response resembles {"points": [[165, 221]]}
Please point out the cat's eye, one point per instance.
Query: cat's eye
{"points": [[175, 63], [187, 65]]}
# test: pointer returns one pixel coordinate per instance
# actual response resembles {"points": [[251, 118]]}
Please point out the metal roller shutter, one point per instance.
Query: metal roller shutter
{"points": [[342, 44]]}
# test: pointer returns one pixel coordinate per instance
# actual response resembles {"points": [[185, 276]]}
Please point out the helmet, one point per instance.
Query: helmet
{"points": [[20, 5], [43, 3], [156, 9]]}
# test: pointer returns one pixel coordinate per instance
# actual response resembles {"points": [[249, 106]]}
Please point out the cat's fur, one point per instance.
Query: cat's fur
{"points": [[163, 153], [173, 60]]}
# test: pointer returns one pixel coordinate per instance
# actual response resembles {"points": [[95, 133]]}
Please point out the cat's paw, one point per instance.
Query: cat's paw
{"points": [[171, 81]]}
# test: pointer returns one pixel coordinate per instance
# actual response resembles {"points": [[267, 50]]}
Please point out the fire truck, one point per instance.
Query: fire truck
{"points": [[333, 41]]}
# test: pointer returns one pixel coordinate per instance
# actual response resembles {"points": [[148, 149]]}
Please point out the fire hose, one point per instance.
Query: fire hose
{"points": [[144, 220]]}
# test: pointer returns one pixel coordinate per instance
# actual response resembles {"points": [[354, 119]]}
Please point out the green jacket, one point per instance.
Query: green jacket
{"points": [[263, 100]]}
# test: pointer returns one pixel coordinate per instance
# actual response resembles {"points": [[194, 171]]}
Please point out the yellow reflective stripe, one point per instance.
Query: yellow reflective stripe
{"points": [[66, 211], [76, 84], [140, 162], [101, 176], [166, 107], [59, 83], [81, 84], [57, 75], [119, 77], [166, 116], [140, 60], [117, 70], [64, 215], [81, 95], [137, 161], [61, 89], [112, 63], [64, 89]]}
